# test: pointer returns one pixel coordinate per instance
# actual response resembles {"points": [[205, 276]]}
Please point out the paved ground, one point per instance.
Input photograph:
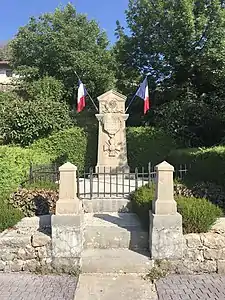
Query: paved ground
{"points": [[17, 286], [203, 287]]}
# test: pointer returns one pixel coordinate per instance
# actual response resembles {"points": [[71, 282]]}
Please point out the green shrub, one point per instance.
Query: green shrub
{"points": [[67, 145], [23, 122], [14, 165], [142, 202], [198, 214], [45, 89], [147, 144], [205, 164], [9, 216]]}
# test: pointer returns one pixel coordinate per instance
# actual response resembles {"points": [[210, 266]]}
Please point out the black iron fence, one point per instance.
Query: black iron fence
{"points": [[113, 182], [43, 173], [107, 182]]}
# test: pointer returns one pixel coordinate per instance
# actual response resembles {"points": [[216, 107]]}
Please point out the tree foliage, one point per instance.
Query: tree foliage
{"points": [[181, 46], [24, 121], [57, 44], [4, 52]]}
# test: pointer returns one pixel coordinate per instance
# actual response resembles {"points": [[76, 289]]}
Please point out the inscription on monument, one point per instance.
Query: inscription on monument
{"points": [[112, 124]]}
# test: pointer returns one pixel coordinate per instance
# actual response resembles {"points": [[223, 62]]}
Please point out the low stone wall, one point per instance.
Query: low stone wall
{"points": [[43, 244], [204, 252], [27, 247]]}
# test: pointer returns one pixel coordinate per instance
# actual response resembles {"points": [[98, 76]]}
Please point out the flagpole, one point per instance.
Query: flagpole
{"points": [[130, 103], [133, 98], [87, 93]]}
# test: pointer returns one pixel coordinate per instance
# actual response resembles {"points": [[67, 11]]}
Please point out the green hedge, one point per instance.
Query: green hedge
{"points": [[14, 165], [79, 146], [205, 164], [198, 214], [9, 215], [147, 144], [69, 145]]}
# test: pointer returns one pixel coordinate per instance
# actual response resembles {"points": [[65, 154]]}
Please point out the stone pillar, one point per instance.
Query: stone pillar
{"points": [[67, 224], [112, 146], [68, 203], [165, 233]]}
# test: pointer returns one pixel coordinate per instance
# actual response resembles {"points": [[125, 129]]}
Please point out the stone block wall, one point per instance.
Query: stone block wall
{"points": [[37, 245], [24, 251], [204, 253]]}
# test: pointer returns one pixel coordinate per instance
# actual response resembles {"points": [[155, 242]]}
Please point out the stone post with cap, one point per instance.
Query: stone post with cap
{"points": [[67, 223], [165, 230]]}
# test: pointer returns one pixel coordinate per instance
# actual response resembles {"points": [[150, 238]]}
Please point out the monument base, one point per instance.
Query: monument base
{"points": [[112, 170]]}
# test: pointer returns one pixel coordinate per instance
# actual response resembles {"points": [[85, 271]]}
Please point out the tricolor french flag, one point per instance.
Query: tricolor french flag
{"points": [[82, 93], [143, 93]]}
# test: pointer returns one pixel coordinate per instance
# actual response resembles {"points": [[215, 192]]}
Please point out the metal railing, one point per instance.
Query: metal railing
{"points": [[113, 182], [107, 182]]}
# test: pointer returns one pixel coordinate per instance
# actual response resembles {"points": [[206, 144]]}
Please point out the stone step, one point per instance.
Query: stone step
{"points": [[97, 205], [114, 230], [115, 261]]}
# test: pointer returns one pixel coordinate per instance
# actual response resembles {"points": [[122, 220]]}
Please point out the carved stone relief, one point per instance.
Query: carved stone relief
{"points": [[111, 124]]}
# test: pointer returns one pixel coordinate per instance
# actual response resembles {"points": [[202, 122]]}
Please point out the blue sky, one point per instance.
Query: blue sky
{"points": [[16, 13]]}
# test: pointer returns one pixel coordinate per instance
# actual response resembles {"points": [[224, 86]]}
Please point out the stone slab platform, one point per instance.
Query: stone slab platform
{"points": [[115, 261], [114, 286]]}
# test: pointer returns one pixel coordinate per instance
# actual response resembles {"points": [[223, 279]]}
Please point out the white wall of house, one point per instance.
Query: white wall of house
{"points": [[6, 75]]}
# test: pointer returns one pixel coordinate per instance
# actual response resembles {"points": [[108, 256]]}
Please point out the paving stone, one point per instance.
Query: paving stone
{"points": [[193, 287], [22, 286]]}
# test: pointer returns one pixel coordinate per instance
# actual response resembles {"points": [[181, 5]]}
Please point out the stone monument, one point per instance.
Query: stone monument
{"points": [[112, 146]]}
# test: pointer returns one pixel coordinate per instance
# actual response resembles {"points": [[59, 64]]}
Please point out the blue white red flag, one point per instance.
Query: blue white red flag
{"points": [[82, 93], [143, 93]]}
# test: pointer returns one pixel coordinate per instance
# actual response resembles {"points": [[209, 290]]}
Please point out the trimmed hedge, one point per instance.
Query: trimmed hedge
{"points": [[14, 165], [68, 145], [198, 214], [9, 215], [147, 144], [79, 146], [206, 165]]}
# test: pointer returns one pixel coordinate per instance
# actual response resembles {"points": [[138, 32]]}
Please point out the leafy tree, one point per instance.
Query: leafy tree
{"points": [[57, 44], [46, 88], [4, 52], [181, 46], [24, 121]]}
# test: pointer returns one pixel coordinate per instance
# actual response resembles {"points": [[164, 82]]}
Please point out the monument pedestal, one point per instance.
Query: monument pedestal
{"points": [[112, 146]]}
